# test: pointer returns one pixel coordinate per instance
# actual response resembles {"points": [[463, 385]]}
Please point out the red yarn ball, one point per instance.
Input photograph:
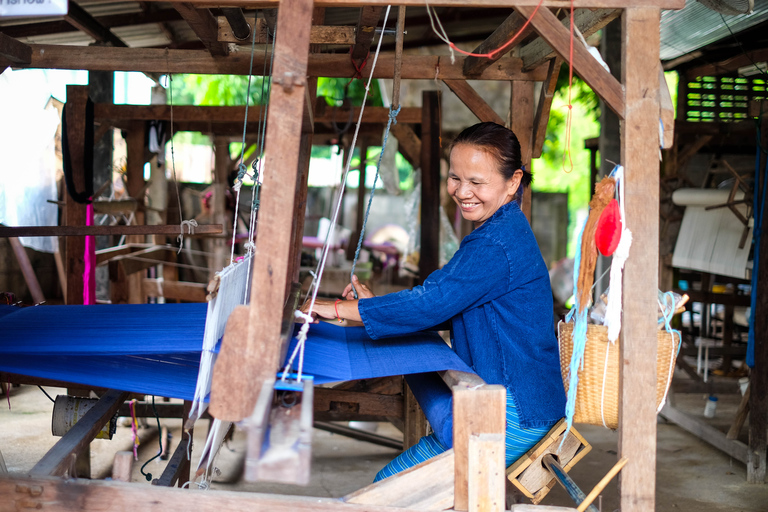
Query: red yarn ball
{"points": [[608, 231]]}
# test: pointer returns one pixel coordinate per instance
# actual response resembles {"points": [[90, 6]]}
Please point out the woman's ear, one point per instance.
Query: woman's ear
{"points": [[514, 182]]}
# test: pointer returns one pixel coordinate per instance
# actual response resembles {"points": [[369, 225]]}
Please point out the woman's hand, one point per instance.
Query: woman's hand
{"points": [[324, 308], [362, 291]]}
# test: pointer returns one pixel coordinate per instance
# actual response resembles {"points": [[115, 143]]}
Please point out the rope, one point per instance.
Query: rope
{"points": [[390, 121], [315, 285]]}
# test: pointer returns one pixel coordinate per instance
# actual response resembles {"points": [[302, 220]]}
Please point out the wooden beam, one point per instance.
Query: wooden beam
{"points": [[14, 51], [81, 20], [161, 229], [521, 113], [430, 184], [408, 143], [485, 470], [238, 378], [58, 495], [590, 70], [667, 112], [365, 31], [560, 4], [203, 23], [157, 60], [30, 278], [588, 21], [318, 34], [59, 458], [175, 290], [475, 411], [173, 470], [473, 101], [330, 403], [706, 433], [544, 107], [640, 156], [509, 28]]}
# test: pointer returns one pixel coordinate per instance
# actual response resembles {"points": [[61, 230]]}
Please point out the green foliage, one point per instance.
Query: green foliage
{"points": [[336, 90], [217, 90]]}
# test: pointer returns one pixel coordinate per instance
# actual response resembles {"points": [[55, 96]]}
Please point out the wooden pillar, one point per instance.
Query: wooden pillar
{"points": [[361, 203], [521, 114], [222, 167], [238, 377], [75, 213], [134, 173], [640, 155], [758, 398], [429, 259]]}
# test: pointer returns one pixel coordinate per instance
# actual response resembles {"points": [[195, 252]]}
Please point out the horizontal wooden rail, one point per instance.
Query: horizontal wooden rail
{"points": [[163, 229]]}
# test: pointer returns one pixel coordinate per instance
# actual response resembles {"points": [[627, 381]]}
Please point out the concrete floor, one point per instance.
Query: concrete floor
{"points": [[691, 475]]}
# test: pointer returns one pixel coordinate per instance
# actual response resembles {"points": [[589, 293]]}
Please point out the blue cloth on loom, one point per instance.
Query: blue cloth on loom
{"points": [[496, 293]]}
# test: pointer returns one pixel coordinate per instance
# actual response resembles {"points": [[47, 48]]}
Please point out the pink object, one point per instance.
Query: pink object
{"points": [[608, 231], [89, 270]]}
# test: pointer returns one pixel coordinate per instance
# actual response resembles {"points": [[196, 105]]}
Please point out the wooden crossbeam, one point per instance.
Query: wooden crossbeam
{"points": [[544, 106], [409, 144], [161, 229], [588, 22], [14, 51], [173, 470], [600, 80], [158, 60], [59, 458], [509, 27], [365, 30], [318, 34], [338, 405], [560, 4], [81, 20], [174, 290], [473, 101], [203, 23]]}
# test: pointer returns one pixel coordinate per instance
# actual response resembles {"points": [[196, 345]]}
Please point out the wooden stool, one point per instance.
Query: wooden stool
{"points": [[530, 475]]}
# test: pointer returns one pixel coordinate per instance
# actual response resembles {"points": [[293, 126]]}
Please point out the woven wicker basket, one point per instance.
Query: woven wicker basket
{"points": [[597, 397]]}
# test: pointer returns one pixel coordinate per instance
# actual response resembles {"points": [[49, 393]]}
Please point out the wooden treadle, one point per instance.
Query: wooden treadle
{"points": [[529, 474]]}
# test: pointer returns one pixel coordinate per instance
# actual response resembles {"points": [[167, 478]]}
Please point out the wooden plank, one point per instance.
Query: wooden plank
{"points": [[174, 290], [509, 28], [544, 106], [561, 4], [238, 377], [588, 21], [203, 23], [27, 271], [415, 424], [74, 213], [365, 31], [138, 261], [473, 101], [429, 261], [486, 473], [521, 113], [667, 111], [14, 51], [318, 34], [590, 70], [758, 400], [741, 416], [83, 21], [399, 39], [640, 155], [59, 458], [408, 143], [453, 378], [157, 60], [329, 400], [77, 231], [426, 486], [475, 411], [172, 472], [122, 466], [706, 433]]}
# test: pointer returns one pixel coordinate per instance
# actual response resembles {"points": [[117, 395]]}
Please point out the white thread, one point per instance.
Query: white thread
{"points": [[191, 225], [602, 394]]}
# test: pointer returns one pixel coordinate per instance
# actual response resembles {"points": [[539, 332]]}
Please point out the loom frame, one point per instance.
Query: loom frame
{"points": [[636, 100]]}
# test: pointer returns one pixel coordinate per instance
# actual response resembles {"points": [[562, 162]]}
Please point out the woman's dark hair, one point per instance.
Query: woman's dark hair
{"points": [[502, 143]]}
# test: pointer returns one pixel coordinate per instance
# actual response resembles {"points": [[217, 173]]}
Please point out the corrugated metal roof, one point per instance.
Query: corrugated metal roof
{"points": [[696, 26]]}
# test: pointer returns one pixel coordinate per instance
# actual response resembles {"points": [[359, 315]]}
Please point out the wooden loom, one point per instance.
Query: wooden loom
{"points": [[237, 381]]}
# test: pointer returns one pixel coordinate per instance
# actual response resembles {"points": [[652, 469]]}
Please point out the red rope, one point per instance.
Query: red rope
{"points": [[358, 69]]}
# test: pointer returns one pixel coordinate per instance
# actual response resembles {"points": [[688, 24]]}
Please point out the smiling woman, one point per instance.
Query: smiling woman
{"points": [[494, 293]]}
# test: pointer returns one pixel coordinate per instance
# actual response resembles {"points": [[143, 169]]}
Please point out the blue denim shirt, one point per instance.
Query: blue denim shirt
{"points": [[495, 291]]}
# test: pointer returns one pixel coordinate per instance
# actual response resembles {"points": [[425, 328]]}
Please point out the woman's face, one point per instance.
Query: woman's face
{"points": [[477, 185]]}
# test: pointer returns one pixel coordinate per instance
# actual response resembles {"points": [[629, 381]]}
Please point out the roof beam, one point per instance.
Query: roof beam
{"points": [[561, 4], [198, 61], [544, 107], [204, 24], [473, 101], [81, 20], [587, 21], [14, 51], [365, 30], [590, 70], [508, 28]]}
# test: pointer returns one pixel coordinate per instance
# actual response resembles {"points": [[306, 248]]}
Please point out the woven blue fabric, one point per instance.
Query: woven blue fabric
{"points": [[517, 441], [495, 291]]}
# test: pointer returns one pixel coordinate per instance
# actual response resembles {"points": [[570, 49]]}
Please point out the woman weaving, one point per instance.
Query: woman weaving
{"points": [[495, 293]]}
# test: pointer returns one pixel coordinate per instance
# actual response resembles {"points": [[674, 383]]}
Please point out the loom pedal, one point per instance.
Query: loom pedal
{"points": [[530, 475], [280, 433]]}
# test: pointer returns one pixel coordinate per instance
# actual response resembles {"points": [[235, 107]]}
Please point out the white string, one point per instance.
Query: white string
{"points": [[191, 225], [602, 394], [441, 34], [315, 285]]}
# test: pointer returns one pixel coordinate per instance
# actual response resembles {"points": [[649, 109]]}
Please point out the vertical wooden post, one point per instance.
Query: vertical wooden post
{"points": [[758, 397], [486, 474], [475, 411], [238, 378], [414, 421], [640, 155], [521, 114], [74, 213], [134, 173], [429, 259], [222, 167]]}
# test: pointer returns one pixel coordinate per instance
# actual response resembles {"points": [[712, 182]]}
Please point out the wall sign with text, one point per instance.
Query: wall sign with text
{"points": [[33, 7]]}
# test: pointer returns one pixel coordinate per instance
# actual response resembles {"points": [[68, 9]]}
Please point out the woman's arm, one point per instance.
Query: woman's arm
{"points": [[341, 309]]}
